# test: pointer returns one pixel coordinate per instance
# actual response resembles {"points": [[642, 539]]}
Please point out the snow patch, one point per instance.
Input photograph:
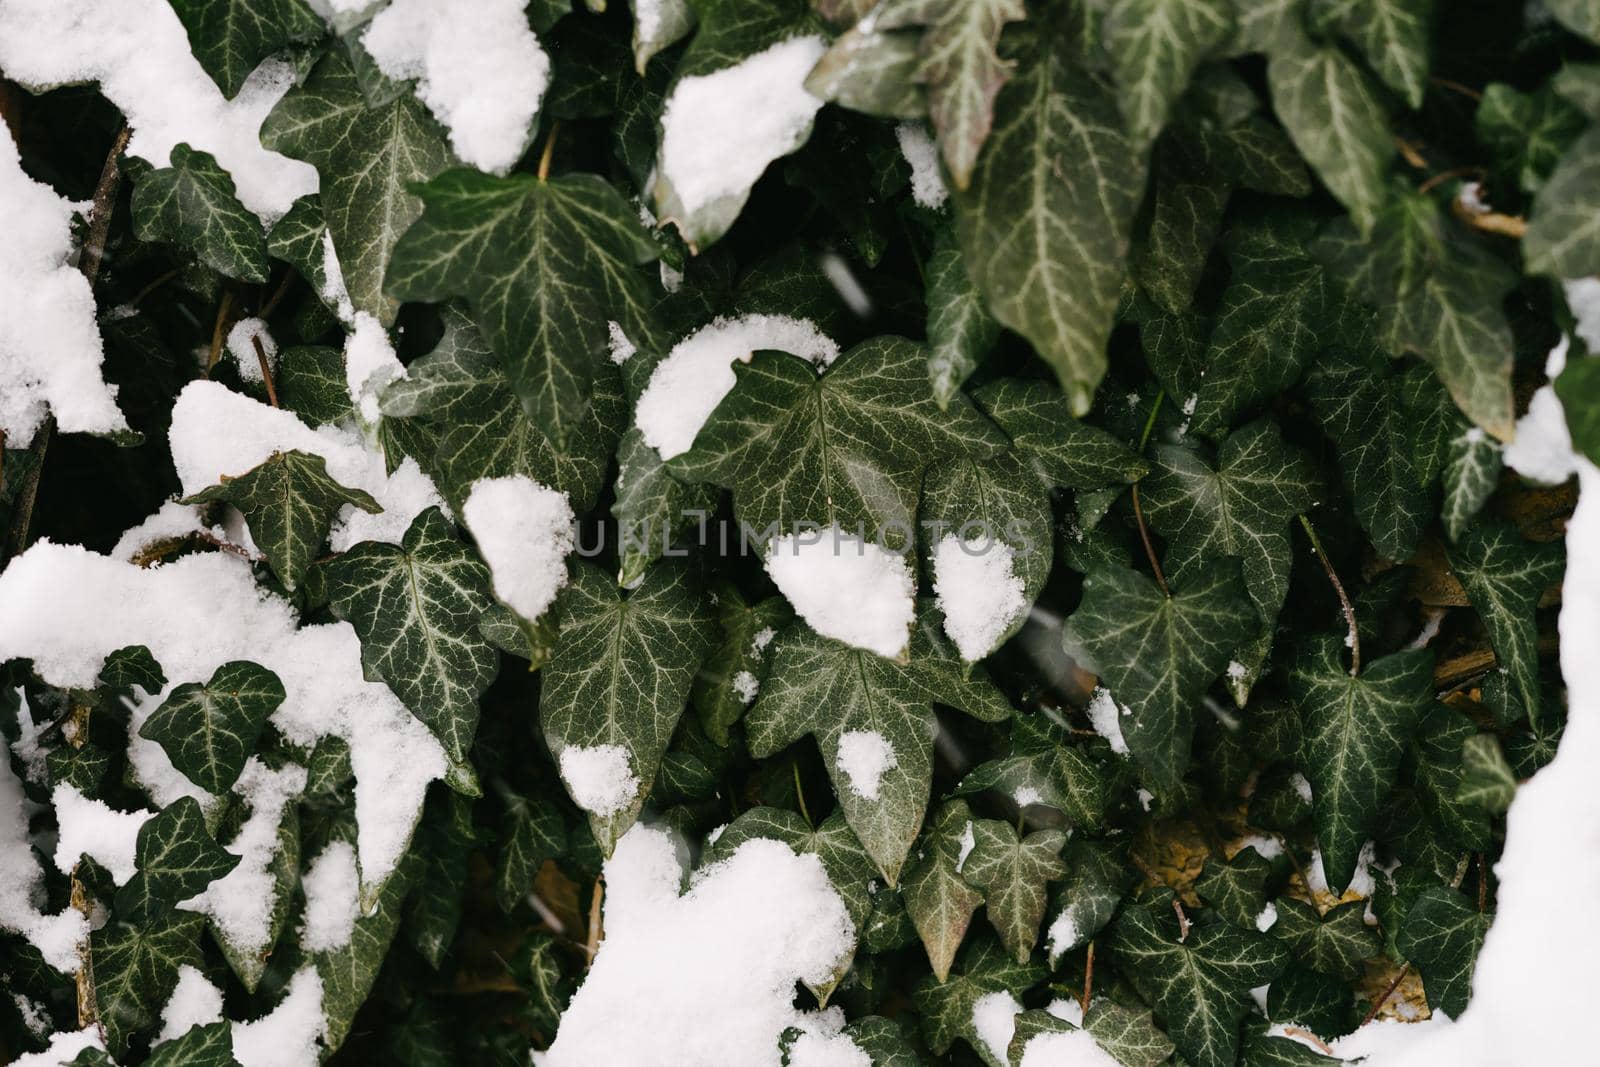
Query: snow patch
{"points": [[864, 756], [524, 531], [846, 588], [90, 827], [978, 591], [599, 777], [994, 1017], [58, 936], [241, 347], [194, 1002], [332, 899], [927, 183], [1107, 722]]}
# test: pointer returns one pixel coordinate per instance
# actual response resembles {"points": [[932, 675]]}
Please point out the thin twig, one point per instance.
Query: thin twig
{"points": [[105, 198], [1409, 153], [595, 933], [549, 149], [1445, 175], [1183, 920], [1296, 1031], [800, 793], [277, 295], [1512, 226], [1483, 885], [1457, 87], [1378, 1004], [1344, 599], [266, 369], [219, 330], [1088, 979], [1138, 511], [155, 283]]}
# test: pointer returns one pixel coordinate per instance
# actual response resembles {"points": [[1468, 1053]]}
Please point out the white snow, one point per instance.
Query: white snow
{"points": [[599, 777], [171, 520], [369, 364], [746, 931], [1027, 796], [1145, 798], [58, 936], [194, 1002], [482, 71], [978, 591], [286, 1036], [1583, 299], [1267, 917], [217, 432], [524, 531], [90, 827], [864, 756], [927, 183], [63, 1049], [621, 349], [1075, 1048], [994, 1017], [1542, 447], [1106, 720], [1361, 882], [762, 639], [139, 53], [747, 686], [851, 590], [968, 843], [686, 387], [332, 899], [721, 130], [825, 1046], [243, 349], [1301, 786], [50, 351], [68, 608]]}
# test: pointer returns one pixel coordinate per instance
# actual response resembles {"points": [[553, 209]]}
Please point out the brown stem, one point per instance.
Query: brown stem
{"points": [[1457, 87], [88, 1006], [1378, 1004], [277, 295], [1088, 979], [1183, 920], [1483, 885], [800, 794], [1344, 599], [549, 149], [156, 283], [1512, 226], [266, 369], [1445, 175], [219, 330], [1149, 549], [105, 198], [592, 946], [1409, 153]]}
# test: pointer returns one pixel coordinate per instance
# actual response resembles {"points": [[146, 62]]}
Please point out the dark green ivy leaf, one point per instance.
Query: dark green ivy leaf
{"points": [[1487, 781], [729, 680], [1013, 873], [193, 204], [177, 858], [960, 329], [288, 502], [416, 608], [132, 666], [1441, 936], [939, 899], [1333, 944], [1356, 730], [1236, 888], [208, 730], [1392, 34], [531, 832], [1155, 46], [200, 1046], [946, 1006], [230, 38], [1066, 453], [135, 969], [1563, 237]]}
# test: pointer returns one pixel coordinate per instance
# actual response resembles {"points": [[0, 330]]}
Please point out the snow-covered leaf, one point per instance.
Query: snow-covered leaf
{"points": [[230, 38], [209, 729]]}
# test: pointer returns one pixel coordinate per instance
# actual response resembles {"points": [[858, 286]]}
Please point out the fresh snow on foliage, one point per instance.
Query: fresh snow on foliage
{"points": [[64, 1049], [599, 777], [864, 756], [217, 432], [994, 1017], [139, 53], [747, 686], [369, 364], [194, 1002], [719, 131], [848, 589], [1542, 448], [67, 608], [686, 387], [92, 828], [243, 349], [733, 946], [241, 901], [288, 1035], [22, 884], [927, 181], [332, 890], [969, 842], [171, 520], [480, 69], [50, 352], [1075, 1048], [978, 591], [1063, 934], [1106, 718], [824, 1046], [524, 532]]}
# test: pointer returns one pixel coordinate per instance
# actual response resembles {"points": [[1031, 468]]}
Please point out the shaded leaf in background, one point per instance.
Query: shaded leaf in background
{"points": [[960, 329], [1066, 453], [730, 678], [1155, 46], [1392, 35], [1487, 781]]}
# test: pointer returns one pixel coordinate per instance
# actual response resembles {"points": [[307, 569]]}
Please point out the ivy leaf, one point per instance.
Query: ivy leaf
{"points": [[1013, 873], [825, 688], [1563, 237], [299, 239], [136, 967], [938, 898], [1236, 888], [461, 393], [960, 329], [1336, 120], [1360, 411], [416, 608], [1157, 653], [538, 968], [348, 973], [1045, 226], [1442, 935], [531, 831], [1240, 505], [367, 158], [1440, 736], [1066, 452], [1185, 217], [1504, 577], [1333, 944], [132, 666], [288, 502], [946, 1006], [1472, 466], [443, 843], [957, 61], [1096, 882], [230, 38], [1155, 46], [193, 204], [1199, 987], [1392, 34], [1263, 1050], [621, 672], [723, 688], [1355, 732], [1487, 781], [652, 508], [1129, 1034], [177, 858], [659, 28], [209, 730], [544, 265], [1528, 132], [872, 70], [200, 1046], [847, 447], [1043, 768]]}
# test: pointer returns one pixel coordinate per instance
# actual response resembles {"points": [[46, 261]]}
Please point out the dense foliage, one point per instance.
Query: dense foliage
{"points": [[1223, 327]]}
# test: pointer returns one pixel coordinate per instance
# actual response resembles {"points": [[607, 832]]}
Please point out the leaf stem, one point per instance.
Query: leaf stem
{"points": [[1138, 510], [1088, 979], [105, 198], [1150, 420], [266, 369], [1183, 920], [1344, 599], [592, 946], [1378, 1004], [800, 794], [218, 330], [549, 149]]}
